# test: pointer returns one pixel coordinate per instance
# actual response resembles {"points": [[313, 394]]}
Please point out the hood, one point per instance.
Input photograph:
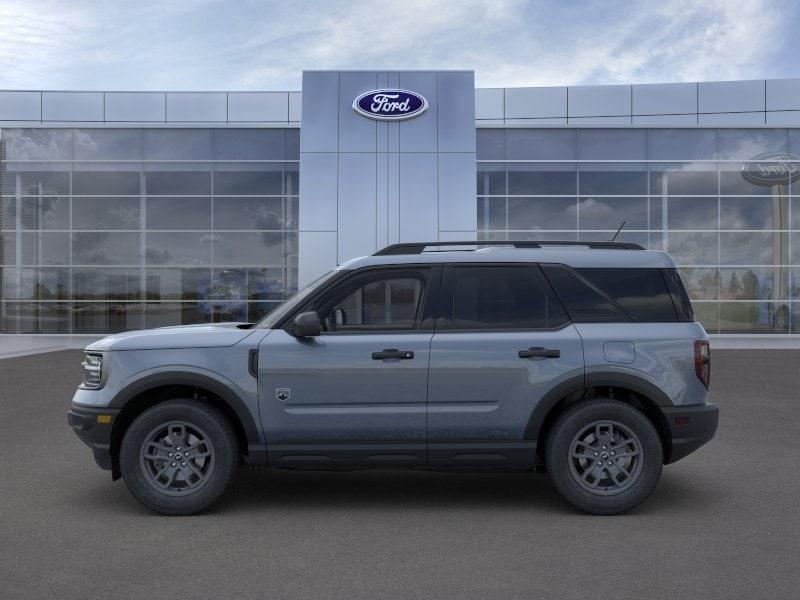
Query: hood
{"points": [[183, 336]]}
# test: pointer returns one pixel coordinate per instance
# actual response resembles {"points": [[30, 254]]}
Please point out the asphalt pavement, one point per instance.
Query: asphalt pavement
{"points": [[722, 523]]}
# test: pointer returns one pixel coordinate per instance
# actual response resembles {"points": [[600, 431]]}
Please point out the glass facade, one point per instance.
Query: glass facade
{"points": [[108, 230], [737, 243]]}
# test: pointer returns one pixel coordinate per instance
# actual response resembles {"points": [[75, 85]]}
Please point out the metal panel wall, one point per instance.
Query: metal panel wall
{"points": [[370, 183]]}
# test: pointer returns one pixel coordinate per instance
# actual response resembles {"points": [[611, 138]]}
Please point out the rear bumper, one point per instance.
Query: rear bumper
{"points": [[97, 435], [690, 427]]}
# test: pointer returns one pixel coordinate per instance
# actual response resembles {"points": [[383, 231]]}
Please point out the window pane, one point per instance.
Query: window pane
{"points": [[249, 213], [177, 144], [541, 144], [34, 317], [178, 248], [753, 213], [753, 317], [609, 183], [745, 144], [642, 292], [104, 248], [106, 317], [105, 213], [38, 144], [384, 302], [177, 284], [108, 144], [501, 297], [491, 213], [523, 182], [682, 144], [683, 183], [248, 144], [176, 313], [612, 144], [752, 248], [609, 213], [35, 183], [45, 212], [248, 183], [491, 180], [490, 144], [228, 284], [694, 248], [178, 213], [701, 284], [266, 284], [585, 304], [753, 284], [177, 183], [106, 284], [45, 248], [95, 183], [261, 249], [692, 213], [542, 213], [36, 284]]}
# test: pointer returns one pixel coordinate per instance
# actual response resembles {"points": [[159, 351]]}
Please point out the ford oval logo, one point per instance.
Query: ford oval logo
{"points": [[772, 168], [390, 105]]}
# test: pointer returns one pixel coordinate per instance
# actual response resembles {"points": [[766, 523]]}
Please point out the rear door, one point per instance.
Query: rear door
{"points": [[501, 343]]}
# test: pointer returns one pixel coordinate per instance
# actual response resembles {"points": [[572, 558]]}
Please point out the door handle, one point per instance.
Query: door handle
{"points": [[539, 352], [393, 353]]}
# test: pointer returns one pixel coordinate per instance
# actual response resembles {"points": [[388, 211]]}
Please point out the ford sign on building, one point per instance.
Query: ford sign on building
{"points": [[390, 105], [123, 210]]}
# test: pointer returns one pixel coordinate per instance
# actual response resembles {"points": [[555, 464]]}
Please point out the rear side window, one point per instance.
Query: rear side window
{"points": [[500, 297], [584, 301], [642, 293], [679, 296], [614, 295]]}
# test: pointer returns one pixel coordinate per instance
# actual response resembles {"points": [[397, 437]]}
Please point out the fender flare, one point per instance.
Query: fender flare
{"points": [[228, 396], [584, 382]]}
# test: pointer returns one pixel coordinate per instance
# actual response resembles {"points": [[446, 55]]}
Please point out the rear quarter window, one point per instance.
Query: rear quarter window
{"points": [[643, 293], [613, 295]]}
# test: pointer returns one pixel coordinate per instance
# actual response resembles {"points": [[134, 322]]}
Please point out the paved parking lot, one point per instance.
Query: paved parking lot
{"points": [[723, 523]]}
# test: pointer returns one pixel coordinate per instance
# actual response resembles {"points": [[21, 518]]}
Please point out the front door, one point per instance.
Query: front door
{"points": [[357, 393], [502, 343]]}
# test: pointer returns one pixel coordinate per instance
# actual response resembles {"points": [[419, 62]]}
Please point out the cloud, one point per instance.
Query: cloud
{"points": [[208, 44]]}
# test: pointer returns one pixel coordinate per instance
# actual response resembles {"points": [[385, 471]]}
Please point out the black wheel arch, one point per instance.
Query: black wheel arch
{"points": [[621, 386], [153, 389]]}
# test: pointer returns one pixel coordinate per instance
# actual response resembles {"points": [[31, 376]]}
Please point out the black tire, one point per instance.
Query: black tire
{"points": [[206, 431], [586, 483]]}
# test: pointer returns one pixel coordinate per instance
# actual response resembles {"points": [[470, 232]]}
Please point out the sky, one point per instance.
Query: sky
{"points": [[262, 45]]}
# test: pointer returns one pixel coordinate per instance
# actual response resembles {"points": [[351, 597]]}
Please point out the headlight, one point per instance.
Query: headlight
{"points": [[93, 371]]}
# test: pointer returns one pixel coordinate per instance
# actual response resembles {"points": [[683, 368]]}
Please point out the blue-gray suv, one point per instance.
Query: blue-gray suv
{"points": [[583, 359]]}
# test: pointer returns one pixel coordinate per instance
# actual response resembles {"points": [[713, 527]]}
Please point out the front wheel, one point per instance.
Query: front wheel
{"points": [[179, 457], [604, 456]]}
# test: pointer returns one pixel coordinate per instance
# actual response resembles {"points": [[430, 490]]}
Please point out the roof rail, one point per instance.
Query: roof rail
{"points": [[419, 247]]}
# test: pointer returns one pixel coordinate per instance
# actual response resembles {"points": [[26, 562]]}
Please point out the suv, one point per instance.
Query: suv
{"points": [[583, 359]]}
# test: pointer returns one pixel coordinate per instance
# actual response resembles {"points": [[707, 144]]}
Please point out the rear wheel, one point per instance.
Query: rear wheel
{"points": [[604, 456], [179, 457]]}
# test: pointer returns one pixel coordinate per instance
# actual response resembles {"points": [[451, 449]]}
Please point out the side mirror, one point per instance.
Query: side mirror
{"points": [[306, 325]]}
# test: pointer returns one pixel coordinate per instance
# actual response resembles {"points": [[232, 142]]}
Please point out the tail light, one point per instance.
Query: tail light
{"points": [[702, 361]]}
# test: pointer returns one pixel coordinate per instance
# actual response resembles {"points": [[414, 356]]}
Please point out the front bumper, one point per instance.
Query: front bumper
{"points": [[690, 427], [94, 432]]}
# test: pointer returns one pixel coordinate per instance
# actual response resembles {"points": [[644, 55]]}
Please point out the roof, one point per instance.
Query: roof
{"points": [[578, 257]]}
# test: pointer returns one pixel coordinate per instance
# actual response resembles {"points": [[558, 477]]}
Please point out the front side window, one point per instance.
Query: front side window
{"points": [[502, 297], [389, 299]]}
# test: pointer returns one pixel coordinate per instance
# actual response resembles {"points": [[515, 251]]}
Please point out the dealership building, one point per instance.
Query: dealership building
{"points": [[124, 210]]}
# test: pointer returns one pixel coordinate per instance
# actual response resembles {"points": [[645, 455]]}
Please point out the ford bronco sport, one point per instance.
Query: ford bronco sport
{"points": [[583, 359]]}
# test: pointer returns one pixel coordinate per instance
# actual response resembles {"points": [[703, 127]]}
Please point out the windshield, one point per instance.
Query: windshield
{"points": [[292, 302]]}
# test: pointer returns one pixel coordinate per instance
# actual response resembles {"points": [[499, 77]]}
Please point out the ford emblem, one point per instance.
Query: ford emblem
{"points": [[772, 168], [390, 105]]}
